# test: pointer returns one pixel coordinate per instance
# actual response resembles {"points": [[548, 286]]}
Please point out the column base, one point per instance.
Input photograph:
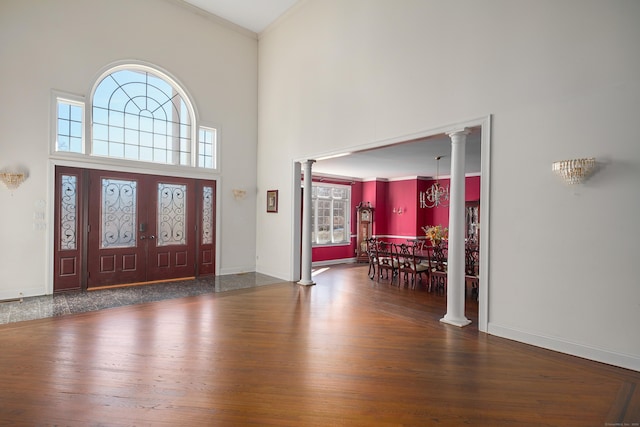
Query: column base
{"points": [[306, 282], [459, 322]]}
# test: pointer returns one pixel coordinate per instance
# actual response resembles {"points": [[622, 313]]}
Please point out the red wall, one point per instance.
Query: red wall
{"points": [[402, 196], [375, 192]]}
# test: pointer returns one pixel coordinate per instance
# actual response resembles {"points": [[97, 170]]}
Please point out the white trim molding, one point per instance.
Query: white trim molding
{"points": [[575, 349], [334, 262]]}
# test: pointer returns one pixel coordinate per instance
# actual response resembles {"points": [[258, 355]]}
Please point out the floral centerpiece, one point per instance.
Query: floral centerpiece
{"points": [[436, 233]]}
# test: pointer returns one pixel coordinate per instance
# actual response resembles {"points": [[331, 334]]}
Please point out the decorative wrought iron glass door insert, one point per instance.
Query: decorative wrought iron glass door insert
{"points": [[69, 222], [171, 248]]}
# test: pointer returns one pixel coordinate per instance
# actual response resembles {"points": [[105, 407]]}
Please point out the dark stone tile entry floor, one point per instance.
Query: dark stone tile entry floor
{"points": [[82, 301]]}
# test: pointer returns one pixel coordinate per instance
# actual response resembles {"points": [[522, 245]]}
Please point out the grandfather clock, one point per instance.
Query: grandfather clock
{"points": [[365, 221]]}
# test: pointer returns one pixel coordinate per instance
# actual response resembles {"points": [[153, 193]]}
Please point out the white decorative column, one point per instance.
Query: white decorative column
{"points": [[306, 225], [455, 260]]}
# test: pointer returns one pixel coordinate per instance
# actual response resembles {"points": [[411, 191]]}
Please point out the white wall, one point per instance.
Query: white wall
{"points": [[560, 79], [63, 45]]}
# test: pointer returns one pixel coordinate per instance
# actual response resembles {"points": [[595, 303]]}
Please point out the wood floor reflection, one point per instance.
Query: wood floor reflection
{"points": [[347, 351]]}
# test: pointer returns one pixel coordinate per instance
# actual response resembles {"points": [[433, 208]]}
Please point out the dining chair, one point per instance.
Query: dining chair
{"points": [[387, 263], [419, 244], [408, 264], [372, 255], [472, 267], [438, 266]]}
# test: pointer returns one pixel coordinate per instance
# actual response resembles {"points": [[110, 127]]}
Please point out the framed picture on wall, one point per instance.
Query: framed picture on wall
{"points": [[272, 201]]}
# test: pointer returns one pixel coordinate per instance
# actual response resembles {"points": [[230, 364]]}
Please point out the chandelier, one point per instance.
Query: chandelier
{"points": [[437, 194]]}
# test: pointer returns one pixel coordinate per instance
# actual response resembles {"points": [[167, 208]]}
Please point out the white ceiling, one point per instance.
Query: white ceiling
{"points": [[414, 158], [408, 159], [254, 15]]}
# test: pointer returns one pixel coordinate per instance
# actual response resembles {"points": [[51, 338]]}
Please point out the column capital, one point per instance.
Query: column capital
{"points": [[459, 132], [309, 161]]}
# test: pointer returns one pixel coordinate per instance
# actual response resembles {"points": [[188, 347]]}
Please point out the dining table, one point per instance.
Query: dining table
{"points": [[436, 258]]}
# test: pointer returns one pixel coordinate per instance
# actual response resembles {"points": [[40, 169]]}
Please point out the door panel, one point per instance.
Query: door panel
{"points": [[116, 254], [172, 246]]}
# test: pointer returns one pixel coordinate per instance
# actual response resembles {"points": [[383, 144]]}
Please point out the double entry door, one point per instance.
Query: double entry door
{"points": [[121, 228]]}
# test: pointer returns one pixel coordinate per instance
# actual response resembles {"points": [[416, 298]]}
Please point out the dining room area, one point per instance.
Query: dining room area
{"points": [[400, 228]]}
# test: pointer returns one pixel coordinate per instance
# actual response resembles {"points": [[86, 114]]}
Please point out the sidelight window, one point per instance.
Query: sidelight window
{"points": [[69, 123]]}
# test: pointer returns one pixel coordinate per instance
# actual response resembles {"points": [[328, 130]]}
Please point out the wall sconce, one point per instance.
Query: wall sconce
{"points": [[12, 180], [574, 171], [398, 211], [239, 194]]}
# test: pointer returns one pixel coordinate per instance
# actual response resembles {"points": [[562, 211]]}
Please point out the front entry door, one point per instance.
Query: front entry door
{"points": [[141, 228]]}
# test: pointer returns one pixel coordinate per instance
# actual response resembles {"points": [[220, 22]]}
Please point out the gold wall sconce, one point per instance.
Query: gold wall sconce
{"points": [[239, 194], [574, 171], [12, 180]]}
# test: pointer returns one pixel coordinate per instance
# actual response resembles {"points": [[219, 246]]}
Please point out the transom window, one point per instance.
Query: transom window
{"points": [[331, 214], [140, 114], [70, 122]]}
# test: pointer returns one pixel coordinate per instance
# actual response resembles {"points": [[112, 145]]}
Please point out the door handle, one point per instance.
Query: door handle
{"points": [[152, 237], [143, 237]]}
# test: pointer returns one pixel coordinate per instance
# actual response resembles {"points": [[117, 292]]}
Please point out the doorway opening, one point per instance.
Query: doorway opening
{"points": [[388, 149]]}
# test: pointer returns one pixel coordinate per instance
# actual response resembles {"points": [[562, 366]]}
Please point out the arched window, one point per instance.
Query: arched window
{"points": [[137, 113]]}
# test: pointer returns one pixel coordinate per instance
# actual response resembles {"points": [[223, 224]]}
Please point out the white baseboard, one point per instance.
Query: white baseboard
{"points": [[333, 262], [285, 277], [626, 361], [22, 293], [237, 270]]}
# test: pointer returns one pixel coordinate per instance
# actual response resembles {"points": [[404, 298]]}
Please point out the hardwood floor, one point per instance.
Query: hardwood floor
{"points": [[347, 351]]}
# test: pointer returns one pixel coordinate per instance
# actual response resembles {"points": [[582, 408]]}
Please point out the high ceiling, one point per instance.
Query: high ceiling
{"points": [[254, 15], [412, 158]]}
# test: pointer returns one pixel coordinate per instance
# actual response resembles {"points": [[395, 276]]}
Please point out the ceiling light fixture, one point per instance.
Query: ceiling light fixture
{"points": [[437, 194]]}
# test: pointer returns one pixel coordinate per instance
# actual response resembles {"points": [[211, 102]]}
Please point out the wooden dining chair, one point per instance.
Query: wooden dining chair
{"points": [[408, 265], [472, 268], [387, 264], [372, 255], [438, 267], [419, 244]]}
